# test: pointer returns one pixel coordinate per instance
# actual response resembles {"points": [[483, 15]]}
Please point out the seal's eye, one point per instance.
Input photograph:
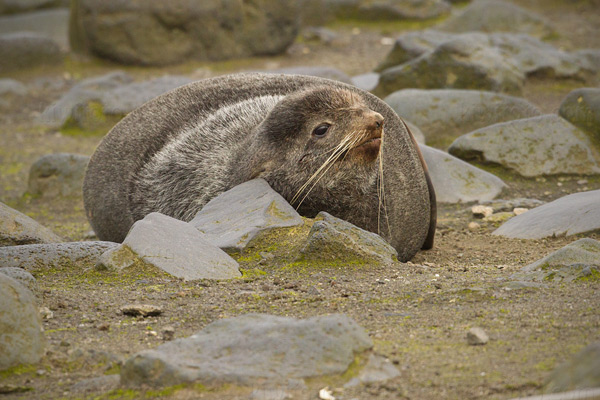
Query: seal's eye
{"points": [[321, 130]]}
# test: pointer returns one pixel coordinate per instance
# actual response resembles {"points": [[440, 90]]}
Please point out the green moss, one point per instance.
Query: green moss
{"points": [[18, 370], [252, 273]]}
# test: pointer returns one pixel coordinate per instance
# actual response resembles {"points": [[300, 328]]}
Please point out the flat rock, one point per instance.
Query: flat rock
{"points": [[173, 246], [377, 369], [54, 24], [232, 219], [581, 107], [457, 181], [322, 72], [34, 256], [569, 215], [58, 175], [477, 336], [387, 9], [206, 30], [20, 6], [497, 16], [12, 87], [501, 205], [579, 259], [334, 240], [580, 372], [22, 50], [543, 145], [17, 228], [21, 334], [444, 114], [22, 276], [250, 350]]}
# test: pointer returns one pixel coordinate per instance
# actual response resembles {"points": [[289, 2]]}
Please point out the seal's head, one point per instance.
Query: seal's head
{"points": [[322, 139]]}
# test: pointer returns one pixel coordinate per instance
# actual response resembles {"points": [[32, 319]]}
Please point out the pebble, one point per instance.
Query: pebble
{"points": [[477, 336], [520, 210], [480, 211], [145, 310], [473, 226]]}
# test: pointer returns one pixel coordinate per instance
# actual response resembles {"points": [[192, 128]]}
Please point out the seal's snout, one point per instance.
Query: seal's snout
{"points": [[377, 119]]}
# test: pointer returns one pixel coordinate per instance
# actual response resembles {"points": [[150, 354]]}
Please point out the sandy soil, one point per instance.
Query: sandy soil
{"points": [[417, 313]]}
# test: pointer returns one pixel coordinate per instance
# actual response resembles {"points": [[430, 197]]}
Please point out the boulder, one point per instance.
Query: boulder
{"points": [[581, 107], [21, 334], [457, 181], [582, 371], [173, 246], [81, 255], [252, 350], [445, 114], [12, 87], [23, 277], [154, 32], [20, 6], [543, 145], [497, 16], [17, 228], [334, 240], [234, 218], [58, 175], [52, 24], [366, 81], [569, 215], [322, 72], [387, 9], [22, 50]]}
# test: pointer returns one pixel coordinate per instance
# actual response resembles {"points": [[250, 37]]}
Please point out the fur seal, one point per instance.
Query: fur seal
{"points": [[323, 145]]}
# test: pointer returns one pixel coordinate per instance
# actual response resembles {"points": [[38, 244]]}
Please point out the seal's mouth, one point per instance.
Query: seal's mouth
{"points": [[368, 148]]}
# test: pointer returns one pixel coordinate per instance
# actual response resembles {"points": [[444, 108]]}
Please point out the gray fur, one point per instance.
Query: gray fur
{"points": [[183, 148]]}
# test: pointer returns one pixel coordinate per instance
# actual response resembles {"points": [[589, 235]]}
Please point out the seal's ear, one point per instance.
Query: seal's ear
{"points": [[428, 244]]}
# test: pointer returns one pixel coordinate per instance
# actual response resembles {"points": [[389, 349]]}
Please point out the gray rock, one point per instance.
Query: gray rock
{"points": [[377, 369], [581, 107], [589, 56], [58, 175], [104, 384], [503, 205], [579, 259], [543, 145], [130, 31], [366, 81], [17, 228], [334, 240], [497, 16], [251, 349], [518, 285], [322, 72], [443, 115], [19, 6], [21, 329], [52, 24], [580, 372], [387, 9], [34, 256], [457, 181], [22, 50], [468, 60], [12, 87], [569, 215], [318, 33], [232, 219], [23, 277], [477, 336], [416, 132], [173, 246]]}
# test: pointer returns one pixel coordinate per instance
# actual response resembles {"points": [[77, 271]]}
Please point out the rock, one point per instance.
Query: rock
{"points": [[473, 226], [477, 336], [173, 246], [475, 60], [480, 211], [318, 33], [12, 87], [251, 349], [590, 56], [58, 175], [501, 205], [387, 9], [499, 217], [366, 81], [457, 181], [579, 259], [17, 228], [19, 6], [445, 114], [581, 107], [378, 369], [334, 240], [102, 384], [144, 310], [22, 337], [543, 145], [232, 219], [130, 31], [23, 277], [569, 215], [40, 256], [497, 16], [518, 285], [22, 50], [416, 132], [581, 372], [52, 24], [520, 210], [322, 72]]}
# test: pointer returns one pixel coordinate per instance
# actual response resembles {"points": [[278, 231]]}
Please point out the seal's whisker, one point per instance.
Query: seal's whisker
{"points": [[381, 190]]}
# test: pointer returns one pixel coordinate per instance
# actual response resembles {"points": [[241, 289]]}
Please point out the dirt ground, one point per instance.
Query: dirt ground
{"points": [[417, 313]]}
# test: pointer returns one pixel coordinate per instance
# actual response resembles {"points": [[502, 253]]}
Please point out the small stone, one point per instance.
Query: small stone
{"points": [[168, 332], [520, 210], [480, 211], [145, 310], [477, 336], [474, 226], [46, 313], [326, 394], [582, 182]]}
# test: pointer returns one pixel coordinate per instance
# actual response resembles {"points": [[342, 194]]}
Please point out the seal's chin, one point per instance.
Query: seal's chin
{"points": [[368, 150]]}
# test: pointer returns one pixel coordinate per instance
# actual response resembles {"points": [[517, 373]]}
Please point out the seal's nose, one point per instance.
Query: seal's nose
{"points": [[376, 120]]}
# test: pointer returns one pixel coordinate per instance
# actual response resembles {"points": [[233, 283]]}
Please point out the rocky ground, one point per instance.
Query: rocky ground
{"points": [[417, 313]]}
